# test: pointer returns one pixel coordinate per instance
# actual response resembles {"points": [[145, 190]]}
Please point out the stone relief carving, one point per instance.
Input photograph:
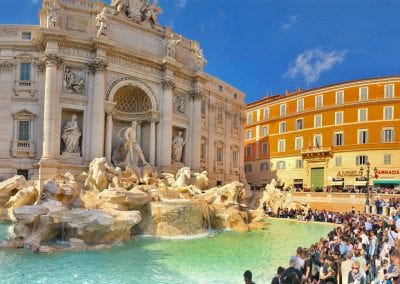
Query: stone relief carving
{"points": [[179, 104], [177, 147], [101, 22], [199, 60], [170, 45], [52, 15], [168, 82], [74, 80], [6, 66], [70, 136]]}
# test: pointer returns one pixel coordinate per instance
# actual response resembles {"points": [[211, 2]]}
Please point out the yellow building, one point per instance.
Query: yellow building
{"points": [[341, 136]]}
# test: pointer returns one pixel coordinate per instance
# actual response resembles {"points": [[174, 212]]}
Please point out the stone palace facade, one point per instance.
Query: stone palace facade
{"points": [[71, 86]]}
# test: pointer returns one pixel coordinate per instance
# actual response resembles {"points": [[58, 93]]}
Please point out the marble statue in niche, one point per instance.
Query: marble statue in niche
{"points": [[177, 147], [179, 104], [70, 136], [101, 22], [172, 42], [52, 15], [74, 81], [129, 153]]}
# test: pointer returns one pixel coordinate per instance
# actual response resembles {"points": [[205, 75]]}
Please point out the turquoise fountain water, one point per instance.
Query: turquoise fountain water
{"points": [[218, 258]]}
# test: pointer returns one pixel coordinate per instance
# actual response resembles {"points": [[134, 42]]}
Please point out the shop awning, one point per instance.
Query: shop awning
{"points": [[360, 183], [387, 181]]}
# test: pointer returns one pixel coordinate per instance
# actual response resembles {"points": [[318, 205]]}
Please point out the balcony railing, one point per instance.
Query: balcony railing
{"points": [[23, 149], [312, 150]]}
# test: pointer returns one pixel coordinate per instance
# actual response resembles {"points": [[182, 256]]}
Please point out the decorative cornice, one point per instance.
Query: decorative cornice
{"points": [[98, 65], [168, 82]]}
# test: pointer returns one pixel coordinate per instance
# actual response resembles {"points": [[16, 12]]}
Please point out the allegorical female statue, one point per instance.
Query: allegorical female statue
{"points": [[177, 147], [70, 136]]}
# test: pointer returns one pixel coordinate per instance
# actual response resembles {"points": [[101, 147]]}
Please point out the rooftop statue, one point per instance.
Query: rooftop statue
{"points": [[170, 45], [52, 15], [101, 22], [150, 12]]}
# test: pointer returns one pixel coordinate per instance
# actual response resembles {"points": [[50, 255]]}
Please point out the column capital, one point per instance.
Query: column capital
{"points": [[152, 120], [98, 65], [168, 82], [50, 59], [197, 94]]}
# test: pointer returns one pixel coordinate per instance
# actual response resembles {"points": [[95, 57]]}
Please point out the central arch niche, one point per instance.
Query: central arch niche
{"points": [[131, 99]]}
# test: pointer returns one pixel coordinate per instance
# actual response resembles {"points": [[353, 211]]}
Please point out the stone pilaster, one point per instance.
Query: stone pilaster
{"points": [[196, 129], [166, 121], [98, 67]]}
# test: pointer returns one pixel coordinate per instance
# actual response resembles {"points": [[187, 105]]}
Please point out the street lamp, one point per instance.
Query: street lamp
{"points": [[367, 177]]}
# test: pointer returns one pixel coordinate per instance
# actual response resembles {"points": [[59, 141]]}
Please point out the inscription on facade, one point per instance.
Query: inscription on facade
{"points": [[76, 24]]}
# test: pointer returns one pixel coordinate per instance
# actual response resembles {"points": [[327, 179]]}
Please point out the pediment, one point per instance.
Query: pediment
{"points": [[23, 114]]}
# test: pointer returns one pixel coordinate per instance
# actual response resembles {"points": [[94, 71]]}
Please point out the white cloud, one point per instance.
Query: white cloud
{"points": [[180, 3], [290, 22], [312, 62]]}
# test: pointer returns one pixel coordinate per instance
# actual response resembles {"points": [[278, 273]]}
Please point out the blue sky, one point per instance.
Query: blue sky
{"points": [[265, 47]]}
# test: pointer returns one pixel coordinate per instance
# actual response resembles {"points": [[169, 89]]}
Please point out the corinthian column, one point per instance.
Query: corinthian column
{"points": [[152, 158], [166, 121], [196, 129], [52, 62], [97, 109]]}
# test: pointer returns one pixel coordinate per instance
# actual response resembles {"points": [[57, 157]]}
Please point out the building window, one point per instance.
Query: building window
{"points": [[317, 140], [280, 165], [249, 134], [264, 167], [387, 135], [338, 161], [235, 96], [318, 101], [283, 109], [388, 112], [247, 168], [248, 151], [264, 148], [298, 143], [264, 131], [249, 118], [281, 145], [266, 113], [26, 35], [219, 114], [235, 121], [220, 88], [203, 108], [235, 156], [220, 154], [338, 139], [318, 120], [362, 136], [282, 127], [299, 124], [339, 117], [387, 159], [361, 160], [24, 130], [25, 72], [362, 115], [299, 164], [300, 105], [363, 94], [339, 97], [389, 91]]}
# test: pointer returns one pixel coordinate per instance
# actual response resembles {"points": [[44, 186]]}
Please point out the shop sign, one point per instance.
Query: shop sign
{"points": [[388, 172], [347, 173], [338, 179]]}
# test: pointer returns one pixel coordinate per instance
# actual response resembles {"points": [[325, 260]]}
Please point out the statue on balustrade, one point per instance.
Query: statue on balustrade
{"points": [[177, 147], [172, 42], [52, 15], [101, 22], [70, 136]]}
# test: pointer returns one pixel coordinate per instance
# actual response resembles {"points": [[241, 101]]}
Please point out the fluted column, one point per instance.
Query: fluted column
{"points": [[152, 158], [166, 121], [52, 62], [97, 128], [139, 133], [109, 130], [196, 129]]}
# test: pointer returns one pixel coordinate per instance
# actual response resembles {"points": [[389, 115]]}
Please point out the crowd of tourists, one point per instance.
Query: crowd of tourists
{"points": [[363, 249]]}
